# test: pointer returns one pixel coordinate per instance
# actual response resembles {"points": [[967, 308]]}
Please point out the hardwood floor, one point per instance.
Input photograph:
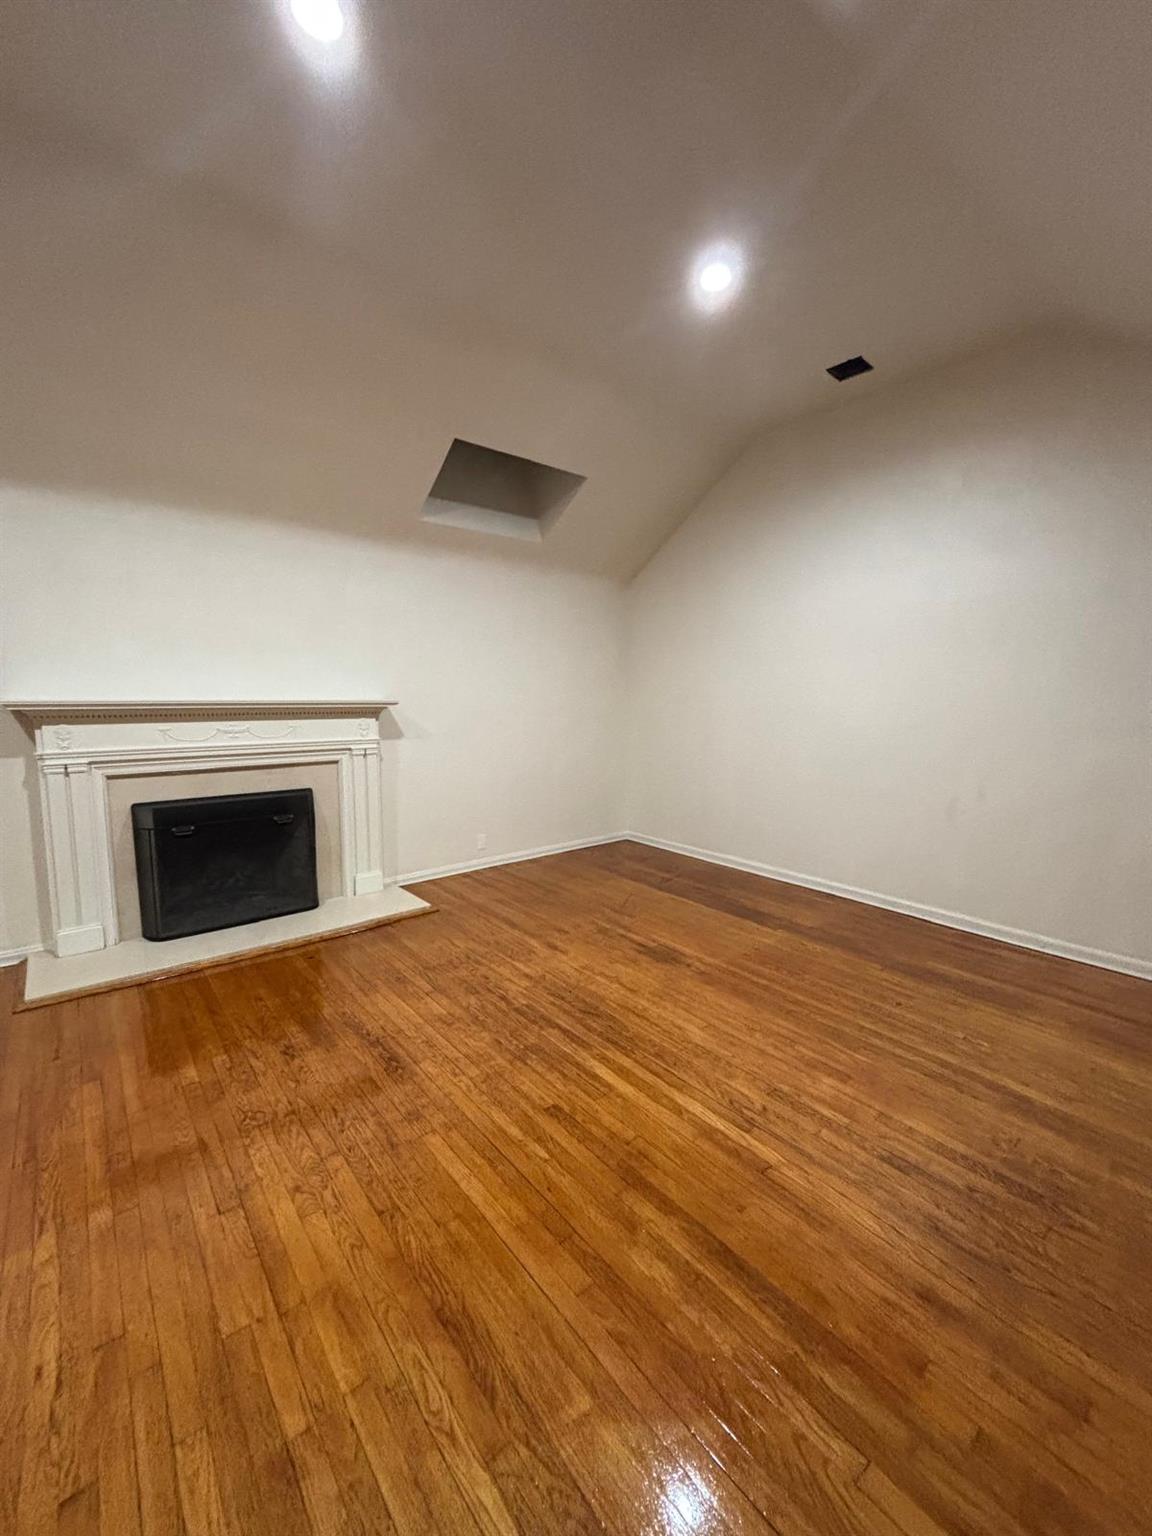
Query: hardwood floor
{"points": [[624, 1194]]}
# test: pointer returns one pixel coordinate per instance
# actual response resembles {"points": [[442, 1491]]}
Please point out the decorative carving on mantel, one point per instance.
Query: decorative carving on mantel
{"points": [[169, 733]]}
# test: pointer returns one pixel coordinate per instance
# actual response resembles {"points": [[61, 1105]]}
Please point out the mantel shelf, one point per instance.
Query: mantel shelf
{"points": [[187, 709]]}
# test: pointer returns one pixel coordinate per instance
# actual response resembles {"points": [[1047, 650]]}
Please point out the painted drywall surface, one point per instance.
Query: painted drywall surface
{"points": [[907, 646], [183, 357], [23, 898], [495, 168], [507, 670], [904, 646]]}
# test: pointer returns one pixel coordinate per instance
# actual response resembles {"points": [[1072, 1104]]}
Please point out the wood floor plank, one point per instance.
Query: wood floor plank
{"points": [[119, 1480], [277, 1493], [28, 1165], [157, 1482], [625, 1195], [199, 1490]]}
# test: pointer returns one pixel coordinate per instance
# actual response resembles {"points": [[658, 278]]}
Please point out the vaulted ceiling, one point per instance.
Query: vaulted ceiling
{"points": [[480, 218]]}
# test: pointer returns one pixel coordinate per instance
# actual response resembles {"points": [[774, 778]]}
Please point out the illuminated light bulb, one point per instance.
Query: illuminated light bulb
{"points": [[321, 19], [717, 274], [716, 277]]}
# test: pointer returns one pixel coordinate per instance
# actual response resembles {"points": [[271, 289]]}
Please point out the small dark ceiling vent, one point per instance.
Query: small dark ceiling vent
{"points": [[488, 491], [850, 368]]}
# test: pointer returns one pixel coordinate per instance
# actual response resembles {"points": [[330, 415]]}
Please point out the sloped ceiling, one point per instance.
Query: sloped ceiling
{"points": [[239, 276]]}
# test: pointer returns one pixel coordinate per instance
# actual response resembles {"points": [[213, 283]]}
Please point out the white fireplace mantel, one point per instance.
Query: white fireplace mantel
{"points": [[82, 744]]}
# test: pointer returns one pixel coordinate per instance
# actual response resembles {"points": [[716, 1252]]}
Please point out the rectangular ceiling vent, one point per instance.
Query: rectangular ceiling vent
{"points": [[492, 492], [849, 368]]}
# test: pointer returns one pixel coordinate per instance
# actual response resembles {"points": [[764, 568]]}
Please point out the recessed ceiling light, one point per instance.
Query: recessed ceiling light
{"points": [[321, 19], [716, 276]]}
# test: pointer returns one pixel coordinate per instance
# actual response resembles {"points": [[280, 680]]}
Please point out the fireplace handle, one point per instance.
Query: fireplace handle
{"points": [[283, 819]]}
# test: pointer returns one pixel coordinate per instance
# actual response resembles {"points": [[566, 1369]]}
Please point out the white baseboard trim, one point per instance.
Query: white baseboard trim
{"points": [[14, 956], [490, 861], [1128, 965]]}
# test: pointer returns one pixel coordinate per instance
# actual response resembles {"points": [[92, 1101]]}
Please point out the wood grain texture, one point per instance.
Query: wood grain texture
{"points": [[627, 1194]]}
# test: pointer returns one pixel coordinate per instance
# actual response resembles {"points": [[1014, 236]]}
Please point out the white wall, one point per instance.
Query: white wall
{"points": [[507, 667], [906, 646], [229, 432]]}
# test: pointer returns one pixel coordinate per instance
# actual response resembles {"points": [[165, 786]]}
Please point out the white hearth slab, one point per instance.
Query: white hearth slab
{"points": [[49, 975]]}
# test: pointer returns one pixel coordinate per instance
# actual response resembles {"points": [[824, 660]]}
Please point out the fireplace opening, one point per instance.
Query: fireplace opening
{"points": [[222, 860]]}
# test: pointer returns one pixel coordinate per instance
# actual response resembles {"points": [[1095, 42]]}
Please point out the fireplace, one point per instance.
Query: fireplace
{"points": [[96, 760], [221, 860]]}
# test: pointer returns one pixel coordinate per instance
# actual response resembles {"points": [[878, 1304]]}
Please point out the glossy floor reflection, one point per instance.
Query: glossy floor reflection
{"points": [[623, 1194]]}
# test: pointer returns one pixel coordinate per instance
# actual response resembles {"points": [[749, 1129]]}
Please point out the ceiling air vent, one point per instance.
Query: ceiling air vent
{"points": [[849, 368], [492, 492]]}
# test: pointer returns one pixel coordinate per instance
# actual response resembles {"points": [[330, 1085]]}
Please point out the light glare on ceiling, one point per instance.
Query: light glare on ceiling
{"points": [[321, 19], [716, 276]]}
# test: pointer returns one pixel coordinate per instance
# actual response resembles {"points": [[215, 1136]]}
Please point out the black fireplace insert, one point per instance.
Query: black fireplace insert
{"points": [[222, 860]]}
